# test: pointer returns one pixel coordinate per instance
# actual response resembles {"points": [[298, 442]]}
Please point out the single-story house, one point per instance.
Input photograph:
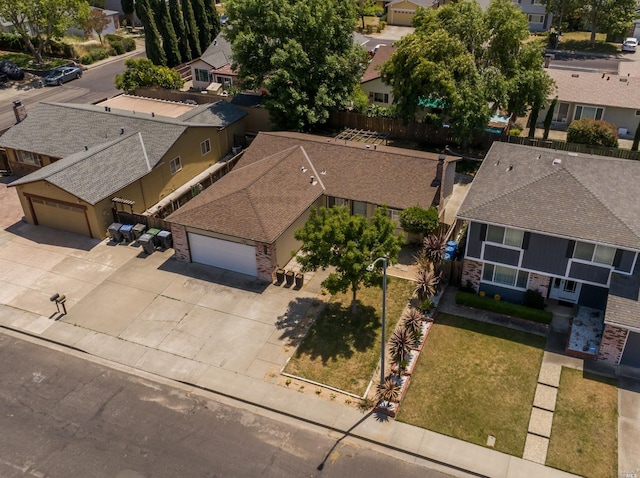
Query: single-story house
{"points": [[245, 222], [583, 94], [378, 92], [213, 66], [566, 225], [401, 12], [77, 158], [538, 17]]}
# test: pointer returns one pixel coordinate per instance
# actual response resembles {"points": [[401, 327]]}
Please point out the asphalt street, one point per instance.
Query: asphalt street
{"points": [[62, 416]]}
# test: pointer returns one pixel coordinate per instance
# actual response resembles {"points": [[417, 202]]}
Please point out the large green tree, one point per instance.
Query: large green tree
{"points": [[367, 8], [168, 34], [300, 51], [152, 39], [142, 72], [44, 20], [333, 237], [214, 18], [461, 59], [175, 13], [191, 28], [204, 27]]}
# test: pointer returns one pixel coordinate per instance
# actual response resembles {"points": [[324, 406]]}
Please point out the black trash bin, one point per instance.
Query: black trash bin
{"points": [[114, 232], [138, 230], [146, 241], [164, 237], [127, 232]]}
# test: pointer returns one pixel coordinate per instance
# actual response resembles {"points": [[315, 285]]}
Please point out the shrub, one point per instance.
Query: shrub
{"points": [[417, 220], [99, 54], [501, 307], [593, 133], [86, 59], [10, 41], [534, 299], [515, 131], [117, 48], [129, 44]]}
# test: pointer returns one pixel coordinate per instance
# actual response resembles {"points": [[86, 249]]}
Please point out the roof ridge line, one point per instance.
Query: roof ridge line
{"points": [[304, 151]]}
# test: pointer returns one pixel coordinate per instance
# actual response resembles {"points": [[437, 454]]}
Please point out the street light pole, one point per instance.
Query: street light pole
{"points": [[384, 309]]}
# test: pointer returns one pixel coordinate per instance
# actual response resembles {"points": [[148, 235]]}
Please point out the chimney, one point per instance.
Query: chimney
{"points": [[19, 110], [440, 176]]}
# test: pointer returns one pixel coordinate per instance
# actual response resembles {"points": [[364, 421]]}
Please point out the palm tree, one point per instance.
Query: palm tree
{"points": [[427, 283], [400, 345], [413, 320], [389, 391]]}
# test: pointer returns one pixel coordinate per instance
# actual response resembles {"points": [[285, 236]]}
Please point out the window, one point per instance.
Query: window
{"points": [[394, 215], [226, 82], [201, 75], [505, 276], [504, 235], [536, 18], [381, 97], [637, 113], [594, 253], [562, 113], [175, 165], [592, 112], [360, 208], [334, 201], [26, 157], [205, 146]]}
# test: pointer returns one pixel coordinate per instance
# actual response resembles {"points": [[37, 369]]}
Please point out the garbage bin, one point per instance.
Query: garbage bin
{"points": [[146, 241], [138, 230], [114, 232], [127, 232], [164, 237], [154, 232]]}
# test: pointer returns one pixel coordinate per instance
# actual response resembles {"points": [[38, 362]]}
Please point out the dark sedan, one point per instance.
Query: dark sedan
{"points": [[62, 75]]}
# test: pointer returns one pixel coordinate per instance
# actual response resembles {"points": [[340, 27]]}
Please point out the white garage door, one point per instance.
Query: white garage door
{"points": [[224, 254]]}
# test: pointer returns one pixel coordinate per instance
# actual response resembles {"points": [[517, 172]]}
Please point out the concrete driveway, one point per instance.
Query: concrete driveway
{"points": [[155, 308]]}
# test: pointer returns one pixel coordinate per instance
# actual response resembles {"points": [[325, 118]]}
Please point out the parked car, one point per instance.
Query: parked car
{"points": [[630, 44], [375, 48], [3, 78], [13, 71], [62, 75], [224, 19]]}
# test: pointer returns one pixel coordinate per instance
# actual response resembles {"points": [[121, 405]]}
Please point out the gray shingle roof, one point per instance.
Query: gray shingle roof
{"points": [[268, 188], [96, 173], [623, 304], [218, 53], [220, 114], [59, 130], [586, 197]]}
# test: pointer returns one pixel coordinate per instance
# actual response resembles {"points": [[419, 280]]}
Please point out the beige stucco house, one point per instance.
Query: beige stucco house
{"points": [[245, 221], [376, 90], [77, 158], [401, 12]]}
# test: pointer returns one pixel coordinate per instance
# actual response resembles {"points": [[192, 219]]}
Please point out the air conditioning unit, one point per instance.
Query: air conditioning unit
{"points": [[236, 149]]}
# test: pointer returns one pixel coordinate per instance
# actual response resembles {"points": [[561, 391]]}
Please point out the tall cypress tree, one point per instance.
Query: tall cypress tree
{"points": [[168, 34], [175, 14], [152, 41], [191, 28], [214, 19], [128, 9], [204, 27]]}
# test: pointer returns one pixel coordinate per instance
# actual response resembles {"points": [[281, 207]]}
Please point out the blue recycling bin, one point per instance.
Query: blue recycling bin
{"points": [[127, 232]]}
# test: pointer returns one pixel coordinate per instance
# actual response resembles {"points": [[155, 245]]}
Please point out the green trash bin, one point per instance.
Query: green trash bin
{"points": [[154, 232]]}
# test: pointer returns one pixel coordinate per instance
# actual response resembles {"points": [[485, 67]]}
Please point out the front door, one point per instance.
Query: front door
{"points": [[567, 290]]}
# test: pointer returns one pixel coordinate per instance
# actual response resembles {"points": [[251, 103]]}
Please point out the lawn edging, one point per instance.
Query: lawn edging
{"points": [[512, 311]]}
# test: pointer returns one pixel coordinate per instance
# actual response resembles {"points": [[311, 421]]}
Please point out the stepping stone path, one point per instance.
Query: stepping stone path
{"points": [[544, 404]]}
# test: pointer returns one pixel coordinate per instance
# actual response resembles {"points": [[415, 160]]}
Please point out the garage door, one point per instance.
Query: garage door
{"points": [[631, 355], [402, 17], [224, 254], [60, 216]]}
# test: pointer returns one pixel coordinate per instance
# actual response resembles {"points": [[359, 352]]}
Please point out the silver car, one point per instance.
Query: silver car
{"points": [[62, 75]]}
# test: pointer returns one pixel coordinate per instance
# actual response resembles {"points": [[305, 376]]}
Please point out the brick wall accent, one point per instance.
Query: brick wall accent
{"points": [[180, 242], [266, 261], [612, 345], [471, 271], [539, 282]]}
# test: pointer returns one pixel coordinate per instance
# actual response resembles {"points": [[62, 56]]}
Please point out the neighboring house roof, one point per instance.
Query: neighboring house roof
{"points": [[373, 69], [247, 99], [623, 303], [578, 196], [220, 114], [271, 185], [418, 3], [218, 53], [596, 88], [96, 173], [140, 104]]}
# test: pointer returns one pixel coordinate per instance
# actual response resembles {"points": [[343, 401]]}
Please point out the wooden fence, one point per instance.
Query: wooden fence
{"points": [[574, 147], [124, 217]]}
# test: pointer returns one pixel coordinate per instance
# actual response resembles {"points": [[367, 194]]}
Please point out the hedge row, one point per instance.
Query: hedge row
{"points": [[500, 307], [13, 42]]}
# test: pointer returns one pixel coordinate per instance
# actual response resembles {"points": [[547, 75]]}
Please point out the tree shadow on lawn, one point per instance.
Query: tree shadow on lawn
{"points": [[493, 330], [338, 333]]}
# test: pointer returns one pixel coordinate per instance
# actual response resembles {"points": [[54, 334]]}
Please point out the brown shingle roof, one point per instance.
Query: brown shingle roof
{"points": [[268, 188], [596, 88], [587, 197], [373, 69]]}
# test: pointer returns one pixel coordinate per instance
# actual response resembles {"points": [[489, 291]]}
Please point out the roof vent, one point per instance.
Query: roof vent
{"points": [[624, 80], [575, 75], [153, 115], [303, 169], [557, 161], [497, 163], [367, 146], [539, 156], [324, 171], [510, 167], [572, 153], [86, 148], [311, 180], [121, 130]]}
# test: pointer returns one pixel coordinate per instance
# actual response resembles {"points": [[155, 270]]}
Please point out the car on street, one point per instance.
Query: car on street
{"points": [[630, 44], [62, 75], [375, 48], [224, 19]]}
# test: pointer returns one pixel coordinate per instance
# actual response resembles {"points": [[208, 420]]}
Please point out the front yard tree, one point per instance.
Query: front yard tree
{"points": [[96, 21], [128, 9], [46, 20], [417, 220], [349, 243], [367, 8], [214, 18], [142, 72], [301, 52]]}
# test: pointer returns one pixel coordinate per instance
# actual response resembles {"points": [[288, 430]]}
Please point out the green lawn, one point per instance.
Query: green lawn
{"points": [[584, 437], [580, 41], [25, 61], [342, 349], [473, 380]]}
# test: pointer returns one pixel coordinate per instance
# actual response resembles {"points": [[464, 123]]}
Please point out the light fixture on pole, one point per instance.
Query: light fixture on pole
{"points": [[384, 309]]}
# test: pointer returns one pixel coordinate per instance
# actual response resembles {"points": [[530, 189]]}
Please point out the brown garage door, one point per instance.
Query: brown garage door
{"points": [[60, 215]]}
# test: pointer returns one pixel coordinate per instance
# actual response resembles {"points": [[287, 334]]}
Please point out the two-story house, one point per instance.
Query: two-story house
{"points": [[537, 15], [376, 90], [564, 224]]}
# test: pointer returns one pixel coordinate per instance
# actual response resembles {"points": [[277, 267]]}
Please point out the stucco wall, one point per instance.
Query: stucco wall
{"points": [[377, 86]]}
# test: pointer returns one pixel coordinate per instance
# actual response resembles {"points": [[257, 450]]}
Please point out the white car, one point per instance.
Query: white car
{"points": [[630, 44]]}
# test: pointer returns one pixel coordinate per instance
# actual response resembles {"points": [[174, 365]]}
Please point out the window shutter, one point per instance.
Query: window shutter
{"points": [[483, 232], [570, 248], [525, 240], [617, 258]]}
